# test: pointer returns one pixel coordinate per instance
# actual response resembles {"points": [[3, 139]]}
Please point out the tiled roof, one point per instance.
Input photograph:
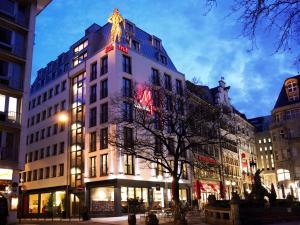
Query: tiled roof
{"points": [[282, 99]]}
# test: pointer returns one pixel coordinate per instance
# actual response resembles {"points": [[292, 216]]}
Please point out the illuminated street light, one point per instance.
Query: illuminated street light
{"points": [[63, 117]]}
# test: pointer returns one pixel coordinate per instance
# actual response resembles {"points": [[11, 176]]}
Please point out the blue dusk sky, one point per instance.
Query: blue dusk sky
{"points": [[202, 46]]}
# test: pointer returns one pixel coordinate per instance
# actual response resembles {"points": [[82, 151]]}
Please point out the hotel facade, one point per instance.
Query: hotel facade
{"points": [[17, 26], [69, 160]]}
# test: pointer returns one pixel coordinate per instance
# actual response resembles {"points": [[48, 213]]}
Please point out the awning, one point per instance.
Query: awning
{"points": [[213, 187]]}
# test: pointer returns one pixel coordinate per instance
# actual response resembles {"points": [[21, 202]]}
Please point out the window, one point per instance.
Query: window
{"points": [[56, 108], [184, 171], [93, 93], [259, 141], [163, 59], [262, 162], [54, 149], [41, 174], [2, 103], [36, 155], [180, 106], [265, 140], [93, 141], [179, 89], [93, 117], [260, 149], [47, 173], [171, 146], [104, 138], [48, 131], [283, 174], [128, 137], [103, 165], [79, 59], [56, 90], [63, 85], [39, 100], [128, 164], [270, 148], [81, 46], [157, 120], [104, 65], [158, 146], [93, 166], [48, 151], [93, 75], [156, 98], [55, 127], [38, 118], [135, 45], [155, 77], [49, 112], [63, 105], [34, 175], [128, 112], [127, 92], [41, 153], [50, 93], [104, 89], [168, 102], [44, 114], [104, 113], [168, 82], [54, 171], [61, 169], [272, 161], [126, 64], [269, 140], [29, 176], [267, 162], [61, 147]]}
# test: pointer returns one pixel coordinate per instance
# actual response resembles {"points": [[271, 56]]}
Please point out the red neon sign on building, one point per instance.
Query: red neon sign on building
{"points": [[145, 100]]}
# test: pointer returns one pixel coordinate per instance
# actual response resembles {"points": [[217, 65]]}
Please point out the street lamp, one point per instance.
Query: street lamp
{"points": [[63, 117]]}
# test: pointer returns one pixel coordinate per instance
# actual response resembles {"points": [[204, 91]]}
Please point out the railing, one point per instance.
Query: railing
{"points": [[218, 216], [10, 117]]}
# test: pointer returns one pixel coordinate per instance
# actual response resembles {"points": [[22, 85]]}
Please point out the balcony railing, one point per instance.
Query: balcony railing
{"points": [[10, 117]]}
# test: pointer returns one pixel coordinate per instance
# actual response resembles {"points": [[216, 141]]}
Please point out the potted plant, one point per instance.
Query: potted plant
{"points": [[133, 204], [151, 219]]}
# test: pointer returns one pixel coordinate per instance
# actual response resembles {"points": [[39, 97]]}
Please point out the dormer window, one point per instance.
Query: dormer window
{"points": [[129, 27], [292, 89], [81, 46], [135, 45], [156, 42], [163, 59]]}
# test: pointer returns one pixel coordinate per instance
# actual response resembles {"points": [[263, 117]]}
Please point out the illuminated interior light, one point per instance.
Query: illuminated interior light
{"points": [[75, 148], [75, 170], [75, 126]]}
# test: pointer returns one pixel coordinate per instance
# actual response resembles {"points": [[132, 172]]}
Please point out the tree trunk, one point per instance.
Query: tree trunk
{"points": [[176, 198]]}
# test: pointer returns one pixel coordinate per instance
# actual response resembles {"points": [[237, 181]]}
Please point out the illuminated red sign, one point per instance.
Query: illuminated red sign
{"points": [[123, 49], [145, 100], [109, 48]]}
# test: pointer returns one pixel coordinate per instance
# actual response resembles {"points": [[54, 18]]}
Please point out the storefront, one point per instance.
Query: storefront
{"points": [[110, 197], [202, 189], [44, 204]]}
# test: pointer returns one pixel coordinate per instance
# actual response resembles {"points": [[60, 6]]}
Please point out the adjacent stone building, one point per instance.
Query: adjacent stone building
{"points": [[285, 134]]}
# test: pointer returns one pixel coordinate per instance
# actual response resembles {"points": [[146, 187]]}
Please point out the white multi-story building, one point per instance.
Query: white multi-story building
{"points": [[69, 160]]}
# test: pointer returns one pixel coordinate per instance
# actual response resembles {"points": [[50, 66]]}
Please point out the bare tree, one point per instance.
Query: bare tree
{"points": [[164, 129], [282, 17]]}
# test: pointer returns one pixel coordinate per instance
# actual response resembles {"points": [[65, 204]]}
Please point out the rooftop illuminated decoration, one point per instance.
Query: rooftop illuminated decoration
{"points": [[116, 30]]}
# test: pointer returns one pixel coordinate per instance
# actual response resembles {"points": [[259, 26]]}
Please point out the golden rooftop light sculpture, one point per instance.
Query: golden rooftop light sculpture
{"points": [[116, 30]]}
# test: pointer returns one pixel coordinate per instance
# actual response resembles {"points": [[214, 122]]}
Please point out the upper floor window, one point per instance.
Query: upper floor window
{"points": [[126, 64], [104, 89], [93, 117], [128, 164], [93, 141], [93, 75], [168, 82], [81, 46], [103, 165], [155, 77], [179, 89], [93, 93], [292, 89], [79, 59], [156, 42], [126, 87], [104, 138], [163, 59], [104, 113], [135, 45], [104, 65]]}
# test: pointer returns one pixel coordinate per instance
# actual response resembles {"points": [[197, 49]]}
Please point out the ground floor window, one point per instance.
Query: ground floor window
{"points": [[33, 203], [134, 192], [46, 203], [102, 199]]}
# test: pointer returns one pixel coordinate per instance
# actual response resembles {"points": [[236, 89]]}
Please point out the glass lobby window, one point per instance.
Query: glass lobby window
{"points": [[45, 203], [102, 194], [33, 203]]}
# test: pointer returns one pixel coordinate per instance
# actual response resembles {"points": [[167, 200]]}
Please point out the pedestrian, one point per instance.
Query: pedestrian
{"points": [[3, 210]]}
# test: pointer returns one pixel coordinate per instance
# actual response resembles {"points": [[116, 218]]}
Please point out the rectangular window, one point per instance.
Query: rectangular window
{"points": [[61, 147], [50, 94], [127, 91], [48, 151], [81, 46], [104, 113], [135, 45], [47, 173], [63, 85], [155, 98], [262, 162], [44, 114], [39, 100], [56, 108], [79, 59], [56, 90], [168, 102], [93, 117], [104, 65], [168, 82], [93, 141], [179, 89], [49, 112], [155, 77], [63, 105], [128, 112], [54, 171], [128, 137], [29, 176], [41, 153], [93, 93], [104, 89], [103, 165], [128, 164], [41, 174], [93, 75], [93, 166], [61, 169], [55, 127], [104, 138], [34, 176], [36, 155], [126, 64], [54, 149]]}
